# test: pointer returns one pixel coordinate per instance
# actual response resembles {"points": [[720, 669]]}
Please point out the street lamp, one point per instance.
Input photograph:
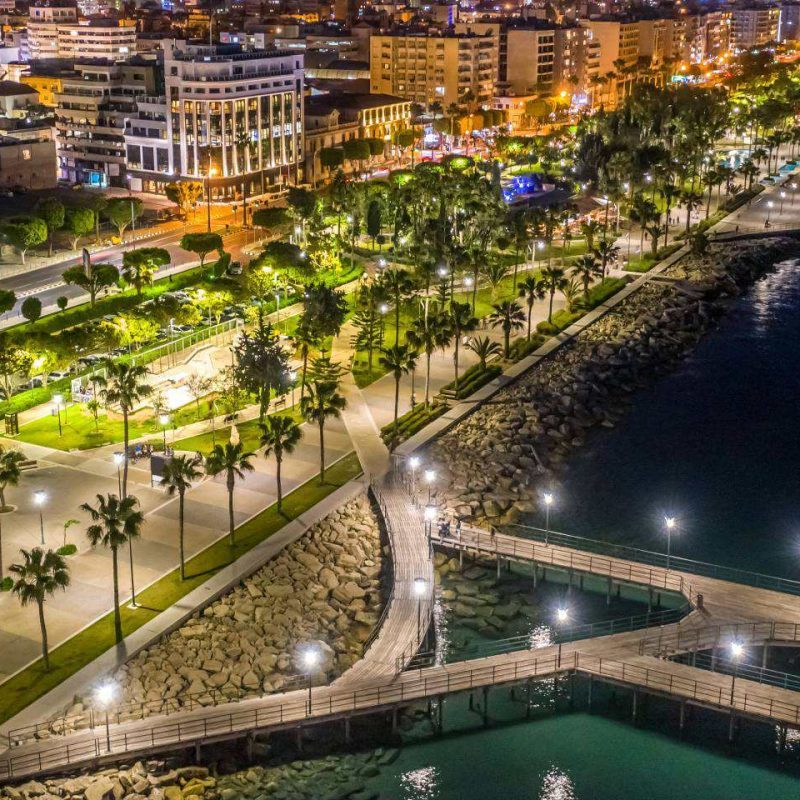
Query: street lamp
{"points": [[293, 380], [413, 463], [310, 662], [430, 477], [164, 420], [669, 525], [104, 697], [40, 497], [420, 589], [212, 171], [783, 197], [119, 459], [769, 209], [562, 617], [737, 651], [58, 400], [547, 499], [430, 516]]}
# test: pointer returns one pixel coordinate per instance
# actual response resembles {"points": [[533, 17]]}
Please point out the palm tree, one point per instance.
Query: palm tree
{"points": [[532, 289], [692, 201], [461, 321], [670, 193], [179, 474], [571, 291], [585, 269], [495, 272], [399, 359], [234, 462], [10, 472], [279, 435], [115, 523], [125, 387], [509, 316], [426, 334], [554, 281], [399, 284], [37, 578], [606, 251], [322, 401], [590, 229], [483, 347]]}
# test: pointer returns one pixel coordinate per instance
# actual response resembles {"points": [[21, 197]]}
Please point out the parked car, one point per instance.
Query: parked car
{"points": [[235, 268], [57, 375], [35, 383], [91, 359]]}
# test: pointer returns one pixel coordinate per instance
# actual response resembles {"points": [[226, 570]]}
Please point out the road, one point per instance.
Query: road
{"points": [[45, 282]]}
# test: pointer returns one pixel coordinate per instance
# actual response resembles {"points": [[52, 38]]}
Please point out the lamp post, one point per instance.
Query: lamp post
{"points": [[769, 210], [164, 420], [310, 662], [104, 696], [737, 651], [212, 171], [669, 525], [58, 400], [430, 516], [783, 197], [293, 379], [430, 477], [420, 589], [40, 497], [119, 459], [547, 499], [413, 464], [562, 616], [793, 187]]}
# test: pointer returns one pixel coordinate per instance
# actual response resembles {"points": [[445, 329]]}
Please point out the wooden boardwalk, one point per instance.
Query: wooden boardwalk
{"points": [[749, 614]]}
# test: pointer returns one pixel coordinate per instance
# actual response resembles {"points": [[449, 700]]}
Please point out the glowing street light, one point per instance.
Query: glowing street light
{"points": [[770, 204], [547, 499], [736, 651], [669, 526], [58, 400], [164, 421], [40, 498], [119, 460], [562, 617], [420, 590], [430, 477], [293, 381], [104, 696], [413, 465], [783, 197], [430, 516], [310, 664]]}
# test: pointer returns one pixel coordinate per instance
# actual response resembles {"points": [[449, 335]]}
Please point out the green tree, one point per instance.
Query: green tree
{"points": [[585, 269], [38, 577], [262, 365], [202, 244], [508, 316], [122, 212], [116, 522], [322, 401], [373, 220], [279, 435], [331, 157], [11, 462], [14, 360], [356, 150], [185, 195], [554, 281], [484, 348], [125, 386], [25, 233], [93, 279], [140, 265], [79, 223], [532, 289], [427, 333], [233, 461], [51, 210], [606, 251], [462, 322], [62, 302], [399, 284], [180, 472], [98, 204], [269, 217], [7, 300], [31, 308], [399, 359]]}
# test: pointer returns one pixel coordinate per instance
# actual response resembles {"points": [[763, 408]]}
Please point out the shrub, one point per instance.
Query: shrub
{"points": [[67, 550]]}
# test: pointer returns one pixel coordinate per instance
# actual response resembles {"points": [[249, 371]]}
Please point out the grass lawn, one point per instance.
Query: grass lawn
{"points": [[65, 660], [249, 434], [640, 263]]}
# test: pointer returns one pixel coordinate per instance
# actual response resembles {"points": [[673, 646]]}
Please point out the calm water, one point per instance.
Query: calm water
{"points": [[717, 444]]}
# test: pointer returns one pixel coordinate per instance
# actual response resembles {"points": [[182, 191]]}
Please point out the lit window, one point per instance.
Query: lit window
{"points": [[26, 154]]}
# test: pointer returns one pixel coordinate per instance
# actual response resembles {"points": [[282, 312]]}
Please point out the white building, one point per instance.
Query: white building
{"points": [[43, 24], [100, 38], [233, 114]]}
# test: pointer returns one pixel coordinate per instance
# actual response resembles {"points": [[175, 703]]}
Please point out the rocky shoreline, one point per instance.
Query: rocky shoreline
{"points": [[324, 590], [492, 466]]}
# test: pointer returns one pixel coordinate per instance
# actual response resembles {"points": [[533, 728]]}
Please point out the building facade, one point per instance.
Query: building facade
{"points": [[229, 115], [43, 24], [754, 27], [27, 164], [104, 38]]}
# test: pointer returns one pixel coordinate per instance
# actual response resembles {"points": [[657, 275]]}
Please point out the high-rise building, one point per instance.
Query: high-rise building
{"points": [[231, 115], [754, 27], [427, 68], [110, 39], [790, 22], [43, 23], [91, 110]]}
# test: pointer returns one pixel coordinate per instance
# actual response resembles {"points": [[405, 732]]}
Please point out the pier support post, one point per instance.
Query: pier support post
{"points": [[682, 723], [529, 695], [347, 730], [580, 579], [571, 690], [394, 721], [782, 740], [534, 575], [440, 725], [248, 746], [499, 564], [713, 659], [589, 695], [635, 710], [299, 739], [732, 728], [764, 656], [609, 589], [649, 599], [460, 560], [485, 708], [198, 753]]}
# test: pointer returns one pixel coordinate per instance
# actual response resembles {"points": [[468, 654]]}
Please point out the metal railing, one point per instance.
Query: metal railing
{"points": [[748, 672], [570, 633], [297, 709], [678, 563], [679, 640], [504, 546]]}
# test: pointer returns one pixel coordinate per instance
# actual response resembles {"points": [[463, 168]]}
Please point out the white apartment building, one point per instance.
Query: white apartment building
{"points": [[754, 27], [102, 38], [43, 24], [231, 115]]}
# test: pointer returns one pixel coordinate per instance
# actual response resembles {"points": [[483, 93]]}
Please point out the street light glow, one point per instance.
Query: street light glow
{"points": [[548, 498], [383, 308], [669, 522], [310, 659], [430, 513], [164, 419], [737, 649], [58, 399], [119, 458], [430, 475], [39, 497], [105, 694], [562, 615], [413, 462], [420, 586]]}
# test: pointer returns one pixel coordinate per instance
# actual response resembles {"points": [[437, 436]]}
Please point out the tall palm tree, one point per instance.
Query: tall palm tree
{"points": [[532, 289], [279, 435], [232, 460], [462, 321], [125, 387], [116, 521], [509, 316], [400, 359], [179, 474], [322, 401], [10, 473], [426, 334], [691, 200], [399, 284], [483, 347], [585, 269], [495, 272], [589, 230], [36, 579], [606, 251], [554, 281]]}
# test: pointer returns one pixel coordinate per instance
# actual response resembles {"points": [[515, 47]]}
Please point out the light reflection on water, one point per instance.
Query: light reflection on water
{"points": [[420, 784], [557, 785]]}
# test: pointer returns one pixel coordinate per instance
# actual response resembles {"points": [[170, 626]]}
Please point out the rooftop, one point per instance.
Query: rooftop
{"points": [[12, 88]]}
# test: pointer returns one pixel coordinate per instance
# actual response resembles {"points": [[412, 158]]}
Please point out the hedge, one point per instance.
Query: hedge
{"points": [[473, 379], [411, 422]]}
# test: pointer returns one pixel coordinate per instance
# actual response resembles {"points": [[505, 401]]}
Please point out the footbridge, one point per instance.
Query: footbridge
{"points": [[643, 660]]}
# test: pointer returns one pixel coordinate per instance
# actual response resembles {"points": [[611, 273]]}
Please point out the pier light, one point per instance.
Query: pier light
{"points": [[562, 617], [669, 526], [430, 513], [383, 308], [547, 499], [420, 590], [104, 697], [310, 660], [413, 463], [737, 651]]}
